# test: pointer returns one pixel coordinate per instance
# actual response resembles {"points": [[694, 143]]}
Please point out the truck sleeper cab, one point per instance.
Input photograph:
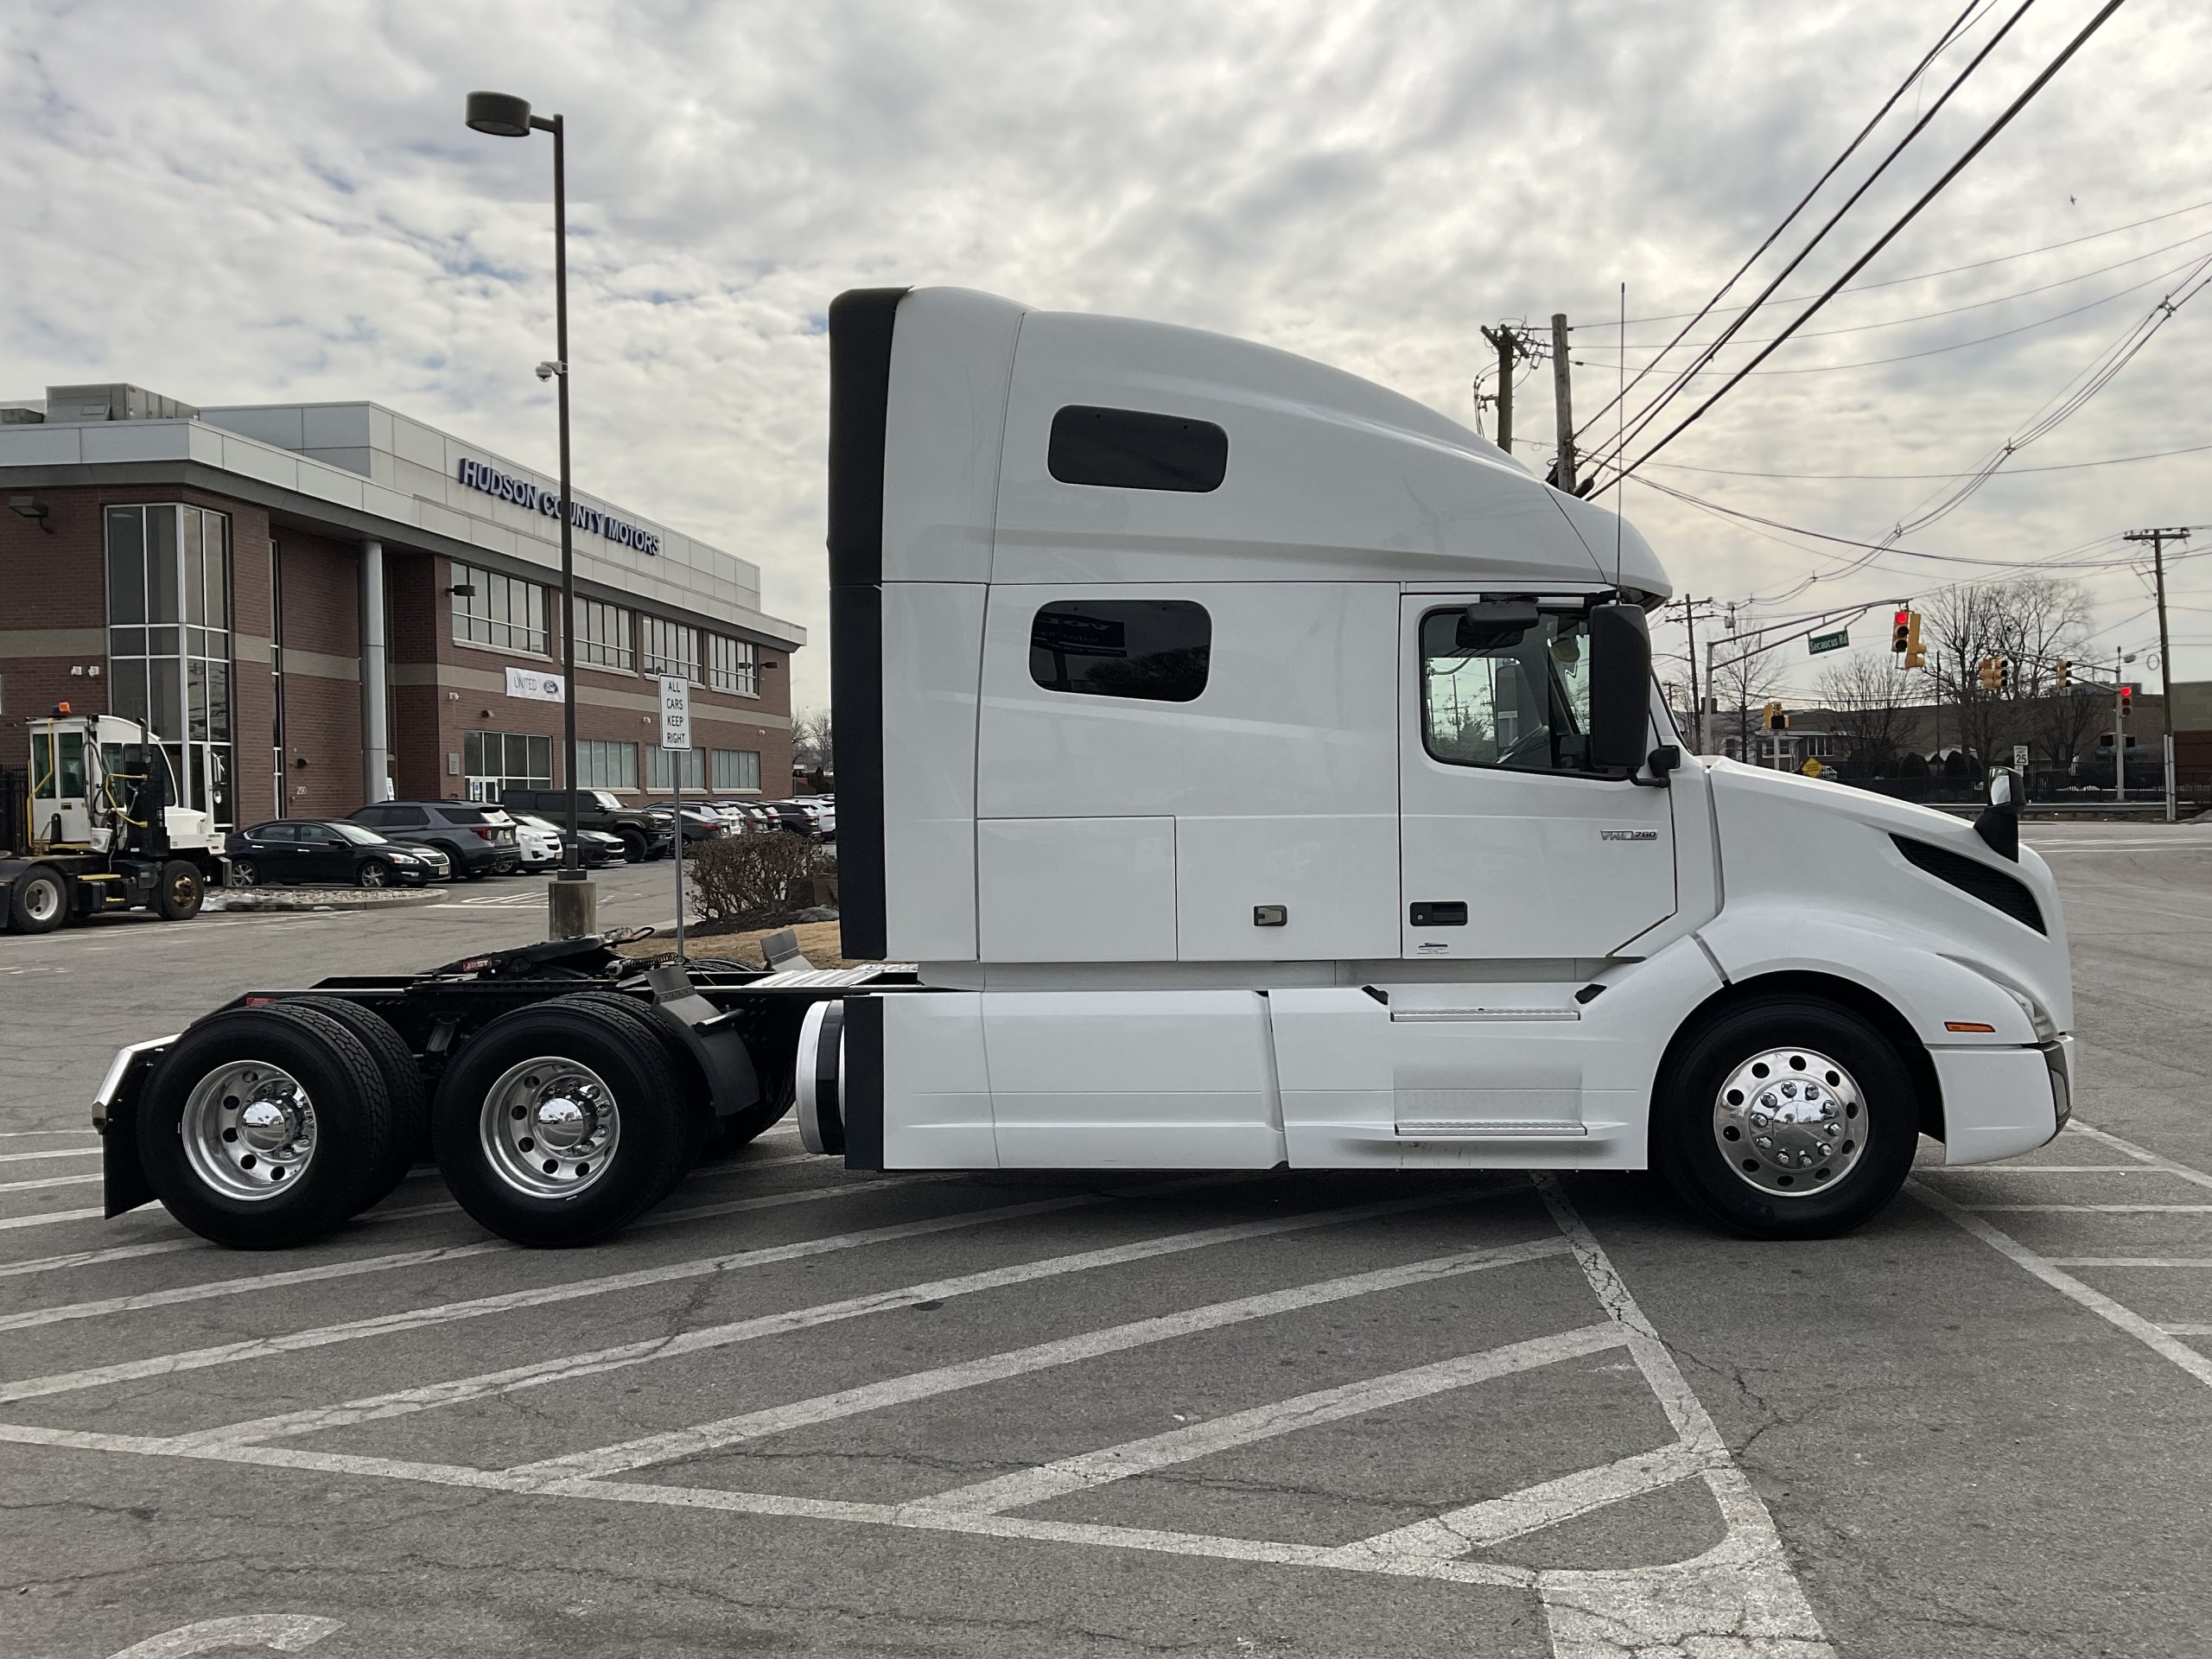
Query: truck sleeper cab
{"points": [[1262, 769]]}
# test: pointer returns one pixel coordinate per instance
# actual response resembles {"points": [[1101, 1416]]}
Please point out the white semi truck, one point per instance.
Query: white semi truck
{"points": [[1257, 770], [102, 829]]}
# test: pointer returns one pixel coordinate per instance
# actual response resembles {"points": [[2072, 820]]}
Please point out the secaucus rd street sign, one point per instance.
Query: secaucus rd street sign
{"points": [[1820, 642]]}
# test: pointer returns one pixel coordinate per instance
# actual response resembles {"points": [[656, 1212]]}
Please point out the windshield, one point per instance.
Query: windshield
{"points": [[606, 802], [1521, 701], [354, 833]]}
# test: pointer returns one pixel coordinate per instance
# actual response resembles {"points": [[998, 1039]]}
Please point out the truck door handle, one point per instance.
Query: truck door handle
{"points": [[1450, 912]]}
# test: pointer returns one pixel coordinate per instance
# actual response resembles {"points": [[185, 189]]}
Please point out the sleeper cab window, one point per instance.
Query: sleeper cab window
{"points": [[1130, 450], [1157, 650], [1512, 693]]}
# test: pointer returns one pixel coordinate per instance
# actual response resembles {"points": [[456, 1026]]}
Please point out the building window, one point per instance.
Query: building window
{"points": [[1154, 649], [501, 760], [670, 648], [733, 665], [660, 774], [603, 764], [603, 635], [737, 769], [168, 641], [505, 613]]}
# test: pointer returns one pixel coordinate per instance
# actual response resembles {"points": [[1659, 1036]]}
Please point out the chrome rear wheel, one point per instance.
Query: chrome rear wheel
{"points": [[249, 1129], [550, 1127]]}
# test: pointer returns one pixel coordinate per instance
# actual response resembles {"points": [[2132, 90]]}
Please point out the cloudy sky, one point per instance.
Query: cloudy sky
{"points": [[234, 201]]}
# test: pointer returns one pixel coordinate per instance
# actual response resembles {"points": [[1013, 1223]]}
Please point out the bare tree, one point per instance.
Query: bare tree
{"points": [[1741, 680], [2029, 625], [1868, 699], [812, 746]]}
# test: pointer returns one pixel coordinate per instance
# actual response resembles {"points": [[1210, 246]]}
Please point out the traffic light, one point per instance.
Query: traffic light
{"points": [[1987, 673], [1777, 720], [2004, 675], [2065, 673], [1901, 632], [2126, 701], [1914, 656]]}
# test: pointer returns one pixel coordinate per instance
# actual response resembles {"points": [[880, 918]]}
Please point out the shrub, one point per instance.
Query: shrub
{"points": [[1913, 765], [753, 881]]}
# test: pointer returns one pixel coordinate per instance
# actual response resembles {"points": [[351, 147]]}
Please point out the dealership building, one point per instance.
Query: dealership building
{"points": [[317, 605]]}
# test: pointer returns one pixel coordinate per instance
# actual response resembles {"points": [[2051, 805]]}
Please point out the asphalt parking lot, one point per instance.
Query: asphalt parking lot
{"points": [[807, 1411]]}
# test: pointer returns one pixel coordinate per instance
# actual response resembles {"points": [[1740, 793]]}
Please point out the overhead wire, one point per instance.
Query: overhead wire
{"points": [[1675, 386], [1988, 136], [1950, 35]]}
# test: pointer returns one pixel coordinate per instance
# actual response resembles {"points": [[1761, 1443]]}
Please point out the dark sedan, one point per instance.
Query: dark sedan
{"points": [[329, 853]]}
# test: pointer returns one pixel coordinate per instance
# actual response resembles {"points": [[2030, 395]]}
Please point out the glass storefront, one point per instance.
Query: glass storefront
{"points": [[501, 760], [169, 643]]}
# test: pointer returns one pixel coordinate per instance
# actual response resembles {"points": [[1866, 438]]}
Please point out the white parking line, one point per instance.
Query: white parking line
{"points": [[2129, 1261], [1133, 1458], [2050, 1270], [1495, 1521], [386, 1324], [2142, 1155], [59, 1151], [50, 1218], [48, 1180], [539, 1373], [2093, 1209], [95, 1258]]}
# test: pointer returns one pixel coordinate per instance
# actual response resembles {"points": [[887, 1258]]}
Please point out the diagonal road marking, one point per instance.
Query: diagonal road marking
{"points": [[1480, 1525], [59, 1151], [1135, 1457], [232, 1353], [2142, 1155], [537, 1373]]}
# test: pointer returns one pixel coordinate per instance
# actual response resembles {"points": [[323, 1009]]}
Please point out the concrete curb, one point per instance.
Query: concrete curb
{"points": [[241, 900]]}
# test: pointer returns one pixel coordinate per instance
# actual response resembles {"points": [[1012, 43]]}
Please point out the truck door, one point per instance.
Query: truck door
{"points": [[1509, 847]]}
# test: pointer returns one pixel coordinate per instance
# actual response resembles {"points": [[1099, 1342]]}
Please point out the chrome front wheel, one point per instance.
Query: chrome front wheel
{"points": [[1790, 1122]]}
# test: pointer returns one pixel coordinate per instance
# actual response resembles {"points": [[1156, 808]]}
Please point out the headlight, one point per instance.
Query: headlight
{"points": [[2037, 1019]]}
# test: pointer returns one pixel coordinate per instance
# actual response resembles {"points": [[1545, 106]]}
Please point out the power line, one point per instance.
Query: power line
{"points": [[1976, 305], [1888, 104], [1680, 383], [1887, 477], [2192, 266], [1953, 270], [1988, 136]]}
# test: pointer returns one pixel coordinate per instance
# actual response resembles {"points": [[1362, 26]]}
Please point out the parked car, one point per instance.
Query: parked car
{"points": [[324, 852], [700, 823], [642, 834], [550, 843], [480, 839], [825, 807], [799, 818]]}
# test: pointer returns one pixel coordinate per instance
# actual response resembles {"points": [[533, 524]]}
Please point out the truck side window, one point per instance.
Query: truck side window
{"points": [[1130, 450], [1521, 702], [1154, 649]]}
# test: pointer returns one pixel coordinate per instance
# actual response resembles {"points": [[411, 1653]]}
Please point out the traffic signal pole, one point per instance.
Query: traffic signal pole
{"points": [[2119, 729]]}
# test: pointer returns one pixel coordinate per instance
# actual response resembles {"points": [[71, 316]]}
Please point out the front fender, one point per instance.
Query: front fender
{"points": [[1931, 991]]}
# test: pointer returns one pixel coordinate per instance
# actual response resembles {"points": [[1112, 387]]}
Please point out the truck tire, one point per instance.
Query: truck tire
{"points": [[1787, 1117], [634, 846], [264, 1126], [402, 1086], [179, 891], [578, 1081], [39, 902]]}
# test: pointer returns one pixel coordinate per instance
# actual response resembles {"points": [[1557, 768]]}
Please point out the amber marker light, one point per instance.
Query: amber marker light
{"points": [[1967, 1025]]}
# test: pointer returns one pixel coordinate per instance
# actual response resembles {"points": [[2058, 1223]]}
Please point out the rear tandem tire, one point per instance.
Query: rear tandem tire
{"points": [[402, 1086], [1734, 1186], [494, 1102], [188, 1127]]}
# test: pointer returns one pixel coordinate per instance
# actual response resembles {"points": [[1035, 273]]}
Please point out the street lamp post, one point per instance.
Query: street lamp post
{"points": [[572, 900]]}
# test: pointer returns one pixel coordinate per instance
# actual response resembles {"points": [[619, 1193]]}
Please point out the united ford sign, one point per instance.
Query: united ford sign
{"points": [[475, 475]]}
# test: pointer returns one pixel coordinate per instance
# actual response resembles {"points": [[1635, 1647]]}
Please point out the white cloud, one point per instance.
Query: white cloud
{"points": [[246, 201]]}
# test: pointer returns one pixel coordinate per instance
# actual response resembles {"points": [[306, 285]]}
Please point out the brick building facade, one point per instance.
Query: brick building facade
{"points": [[212, 572]]}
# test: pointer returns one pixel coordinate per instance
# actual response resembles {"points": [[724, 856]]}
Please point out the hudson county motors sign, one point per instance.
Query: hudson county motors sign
{"points": [[475, 475]]}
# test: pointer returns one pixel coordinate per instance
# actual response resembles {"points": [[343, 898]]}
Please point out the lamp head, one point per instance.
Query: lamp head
{"points": [[500, 114]]}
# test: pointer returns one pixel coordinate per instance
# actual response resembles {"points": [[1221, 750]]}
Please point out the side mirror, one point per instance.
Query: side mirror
{"points": [[2000, 824], [1494, 624], [1620, 687]]}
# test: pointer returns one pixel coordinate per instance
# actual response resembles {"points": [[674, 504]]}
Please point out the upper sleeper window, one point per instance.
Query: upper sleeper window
{"points": [[1155, 649], [1130, 449]]}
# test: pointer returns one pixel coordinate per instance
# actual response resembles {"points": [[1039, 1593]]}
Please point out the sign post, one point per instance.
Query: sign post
{"points": [[675, 738]]}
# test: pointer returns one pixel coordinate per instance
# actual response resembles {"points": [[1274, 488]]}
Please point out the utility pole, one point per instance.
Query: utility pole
{"points": [[1563, 403], [1509, 349], [1697, 702], [2158, 538], [2119, 727]]}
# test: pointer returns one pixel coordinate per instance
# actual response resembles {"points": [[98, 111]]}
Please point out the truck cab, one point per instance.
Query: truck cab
{"points": [[101, 829], [1260, 768]]}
